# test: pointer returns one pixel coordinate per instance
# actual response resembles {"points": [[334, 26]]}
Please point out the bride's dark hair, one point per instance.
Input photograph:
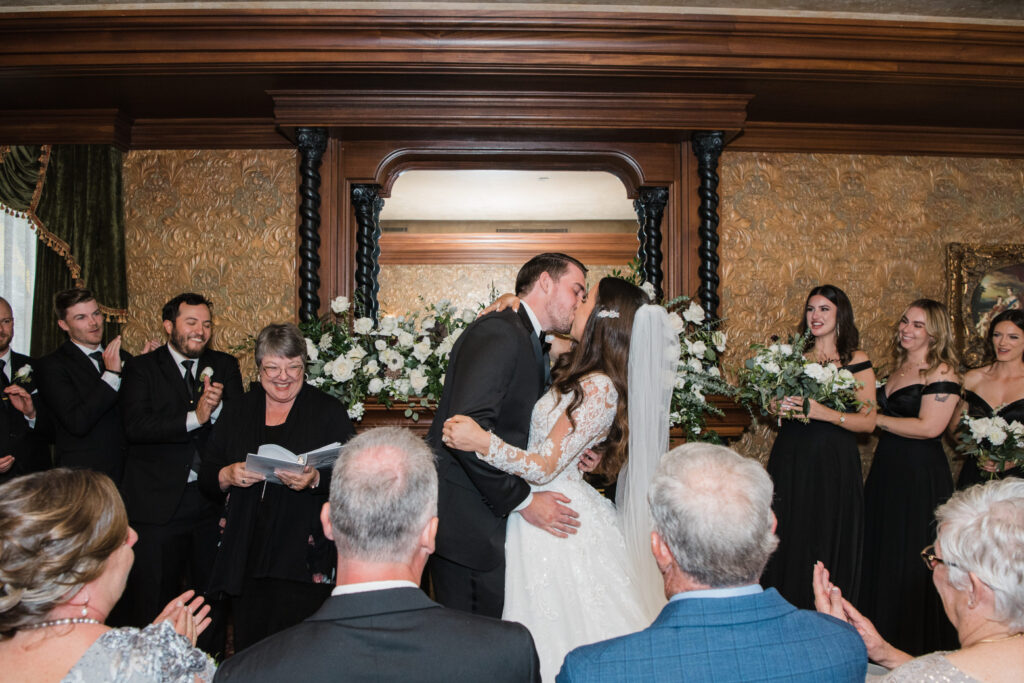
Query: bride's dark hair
{"points": [[604, 347]]}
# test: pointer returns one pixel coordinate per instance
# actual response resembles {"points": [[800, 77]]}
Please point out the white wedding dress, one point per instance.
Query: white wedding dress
{"points": [[576, 590]]}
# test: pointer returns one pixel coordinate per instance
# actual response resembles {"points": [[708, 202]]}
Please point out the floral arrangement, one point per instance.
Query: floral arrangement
{"points": [[698, 373], [399, 359], [992, 439], [781, 370]]}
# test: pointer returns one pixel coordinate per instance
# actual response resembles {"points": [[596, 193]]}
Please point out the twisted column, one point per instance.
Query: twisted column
{"points": [[367, 203], [707, 146], [650, 207], [312, 143]]}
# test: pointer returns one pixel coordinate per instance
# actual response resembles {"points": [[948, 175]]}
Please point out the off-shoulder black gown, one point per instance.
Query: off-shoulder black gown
{"points": [[971, 474], [909, 478], [819, 502]]}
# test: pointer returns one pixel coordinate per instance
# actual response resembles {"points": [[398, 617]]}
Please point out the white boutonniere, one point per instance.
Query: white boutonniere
{"points": [[23, 376], [207, 373]]}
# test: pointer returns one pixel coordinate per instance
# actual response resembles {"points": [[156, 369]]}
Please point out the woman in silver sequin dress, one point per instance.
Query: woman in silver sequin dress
{"points": [[65, 553], [976, 566]]}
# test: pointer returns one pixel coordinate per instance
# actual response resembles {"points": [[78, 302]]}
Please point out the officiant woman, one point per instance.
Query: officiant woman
{"points": [[274, 561]]}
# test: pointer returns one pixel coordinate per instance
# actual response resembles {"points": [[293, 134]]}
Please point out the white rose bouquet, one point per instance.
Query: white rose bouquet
{"points": [[402, 358], [992, 439], [780, 370]]}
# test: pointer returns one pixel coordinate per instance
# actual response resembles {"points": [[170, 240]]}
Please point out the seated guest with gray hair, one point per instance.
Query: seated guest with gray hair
{"points": [[378, 625], [713, 534], [976, 566]]}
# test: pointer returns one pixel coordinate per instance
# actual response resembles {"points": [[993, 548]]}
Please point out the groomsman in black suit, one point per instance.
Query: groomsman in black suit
{"points": [[496, 372], [79, 384], [20, 451], [378, 625], [170, 399]]}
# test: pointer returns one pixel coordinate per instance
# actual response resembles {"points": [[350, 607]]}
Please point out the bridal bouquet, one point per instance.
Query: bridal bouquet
{"points": [[781, 370], [992, 438], [400, 358]]}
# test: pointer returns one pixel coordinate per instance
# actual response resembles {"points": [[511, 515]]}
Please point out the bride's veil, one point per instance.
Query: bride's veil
{"points": [[653, 357]]}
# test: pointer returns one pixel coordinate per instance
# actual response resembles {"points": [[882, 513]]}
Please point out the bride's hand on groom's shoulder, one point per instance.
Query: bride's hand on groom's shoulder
{"points": [[501, 303], [462, 433]]}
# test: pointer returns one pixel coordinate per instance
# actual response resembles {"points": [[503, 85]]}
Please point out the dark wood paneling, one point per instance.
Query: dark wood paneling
{"points": [[69, 126], [208, 133], [436, 248]]}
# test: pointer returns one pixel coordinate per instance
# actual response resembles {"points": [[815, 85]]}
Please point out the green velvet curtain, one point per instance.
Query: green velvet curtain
{"points": [[82, 204], [19, 174]]}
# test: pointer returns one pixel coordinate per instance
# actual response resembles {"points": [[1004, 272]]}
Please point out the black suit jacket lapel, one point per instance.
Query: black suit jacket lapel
{"points": [[171, 372], [80, 362]]}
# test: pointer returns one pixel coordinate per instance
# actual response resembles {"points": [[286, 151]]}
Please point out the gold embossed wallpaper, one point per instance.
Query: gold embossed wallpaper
{"points": [[221, 223], [875, 226]]}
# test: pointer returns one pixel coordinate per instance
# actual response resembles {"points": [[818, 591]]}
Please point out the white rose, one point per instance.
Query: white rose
{"points": [[996, 436], [311, 349], [771, 367], [26, 370], [405, 340], [695, 365], [786, 349], [403, 386], [380, 345], [356, 353], [342, 369], [718, 337], [388, 325], [422, 350], [315, 381], [697, 348], [714, 371], [339, 304], [648, 289], [362, 326], [676, 323], [356, 411], [418, 380], [371, 367], [468, 316], [816, 372], [375, 385], [694, 313], [428, 323]]}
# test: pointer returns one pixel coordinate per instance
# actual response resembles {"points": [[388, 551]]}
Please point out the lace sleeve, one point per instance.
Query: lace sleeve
{"points": [[563, 444]]}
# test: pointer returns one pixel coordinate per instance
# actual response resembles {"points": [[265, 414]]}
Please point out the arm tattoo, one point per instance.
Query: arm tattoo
{"points": [[942, 398]]}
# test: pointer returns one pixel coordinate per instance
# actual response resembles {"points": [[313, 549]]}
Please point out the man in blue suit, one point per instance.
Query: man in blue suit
{"points": [[713, 533]]}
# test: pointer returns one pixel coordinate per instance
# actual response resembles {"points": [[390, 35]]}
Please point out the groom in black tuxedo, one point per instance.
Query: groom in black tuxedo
{"points": [[170, 399], [20, 450], [496, 372]]}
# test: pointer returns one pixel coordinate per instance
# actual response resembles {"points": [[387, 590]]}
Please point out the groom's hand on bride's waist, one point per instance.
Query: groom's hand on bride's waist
{"points": [[548, 511]]}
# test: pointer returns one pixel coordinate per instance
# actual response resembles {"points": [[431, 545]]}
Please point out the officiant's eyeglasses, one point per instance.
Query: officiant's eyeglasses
{"points": [[275, 371], [931, 560]]}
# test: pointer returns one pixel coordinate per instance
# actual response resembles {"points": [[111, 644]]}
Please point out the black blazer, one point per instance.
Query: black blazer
{"points": [[290, 544], [396, 634], [83, 411], [154, 404], [16, 439], [495, 375]]}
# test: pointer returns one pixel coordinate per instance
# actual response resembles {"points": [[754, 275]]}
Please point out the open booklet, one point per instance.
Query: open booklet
{"points": [[272, 457]]}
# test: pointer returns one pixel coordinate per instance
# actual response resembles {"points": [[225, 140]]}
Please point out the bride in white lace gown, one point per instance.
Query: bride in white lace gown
{"points": [[592, 585]]}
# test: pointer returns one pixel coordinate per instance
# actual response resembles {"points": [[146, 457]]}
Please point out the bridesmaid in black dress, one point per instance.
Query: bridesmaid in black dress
{"points": [[816, 466], [996, 389], [909, 478]]}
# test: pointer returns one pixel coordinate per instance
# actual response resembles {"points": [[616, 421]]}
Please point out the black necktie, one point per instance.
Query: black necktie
{"points": [[98, 357], [190, 384], [4, 382]]}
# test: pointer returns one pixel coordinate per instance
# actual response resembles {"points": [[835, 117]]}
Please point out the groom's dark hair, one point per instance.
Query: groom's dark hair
{"points": [[553, 264]]}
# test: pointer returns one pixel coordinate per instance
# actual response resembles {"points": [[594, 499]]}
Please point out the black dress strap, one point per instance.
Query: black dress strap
{"points": [[943, 387], [857, 367]]}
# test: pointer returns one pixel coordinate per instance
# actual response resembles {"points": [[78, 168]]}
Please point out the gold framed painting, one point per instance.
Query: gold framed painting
{"points": [[983, 281]]}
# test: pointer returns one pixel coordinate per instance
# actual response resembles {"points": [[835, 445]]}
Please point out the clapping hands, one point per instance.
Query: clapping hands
{"points": [[187, 616]]}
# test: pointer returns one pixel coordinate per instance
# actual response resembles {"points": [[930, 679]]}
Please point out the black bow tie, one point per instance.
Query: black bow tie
{"points": [[545, 345]]}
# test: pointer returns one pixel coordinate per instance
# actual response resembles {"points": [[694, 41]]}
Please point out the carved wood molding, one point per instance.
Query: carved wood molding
{"points": [[668, 113], [761, 136], [67, 126], [435, 248], [209, 133]]}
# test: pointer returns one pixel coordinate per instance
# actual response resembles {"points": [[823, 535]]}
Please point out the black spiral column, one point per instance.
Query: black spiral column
{"points": [[312, 143], [367, 204], [650, 207], [707, 146]]}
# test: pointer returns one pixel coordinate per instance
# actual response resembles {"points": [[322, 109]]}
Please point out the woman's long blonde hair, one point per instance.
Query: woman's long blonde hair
{"points": [[940, 338]]}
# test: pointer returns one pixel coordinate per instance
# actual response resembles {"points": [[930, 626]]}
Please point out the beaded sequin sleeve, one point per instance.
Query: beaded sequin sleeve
{"points": [[562, 444]]}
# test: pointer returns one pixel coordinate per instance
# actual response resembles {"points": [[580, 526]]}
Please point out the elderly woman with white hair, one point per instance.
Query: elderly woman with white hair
{"points": [[977, 566]]}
